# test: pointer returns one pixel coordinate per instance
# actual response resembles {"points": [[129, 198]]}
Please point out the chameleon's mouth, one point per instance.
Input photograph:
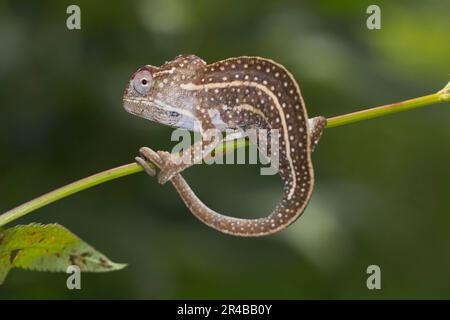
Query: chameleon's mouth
{"points": [[144, 108], [149, 109], [134, 106]]}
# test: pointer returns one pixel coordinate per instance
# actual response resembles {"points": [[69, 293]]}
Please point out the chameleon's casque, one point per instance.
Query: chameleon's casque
{"points": [[237, 93]]}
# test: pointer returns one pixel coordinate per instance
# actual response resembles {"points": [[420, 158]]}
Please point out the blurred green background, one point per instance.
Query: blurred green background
{"points": [[382, 192]]}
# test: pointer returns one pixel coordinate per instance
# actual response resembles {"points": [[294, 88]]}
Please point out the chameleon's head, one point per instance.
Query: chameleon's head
{"points": [[146, 98], [155, 93]]}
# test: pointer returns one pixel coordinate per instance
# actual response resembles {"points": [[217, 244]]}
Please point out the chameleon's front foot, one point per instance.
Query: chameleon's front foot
{"points": [[148, 154], [169, 167], [163, 160]]}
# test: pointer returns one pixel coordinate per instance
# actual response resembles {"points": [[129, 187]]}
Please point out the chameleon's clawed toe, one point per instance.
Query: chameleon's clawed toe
{"points": [[151, 155], [148, 154], [149, 170]]}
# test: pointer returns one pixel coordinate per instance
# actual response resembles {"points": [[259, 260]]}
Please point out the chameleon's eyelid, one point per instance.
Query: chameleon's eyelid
{"points": [[140, 77]]}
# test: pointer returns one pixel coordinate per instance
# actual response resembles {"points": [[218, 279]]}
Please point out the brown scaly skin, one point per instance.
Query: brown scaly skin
{"points": [[236, 93]]}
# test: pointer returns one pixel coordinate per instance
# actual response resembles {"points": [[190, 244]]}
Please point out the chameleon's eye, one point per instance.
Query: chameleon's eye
{"points": [[174, 114], [142, 82]]}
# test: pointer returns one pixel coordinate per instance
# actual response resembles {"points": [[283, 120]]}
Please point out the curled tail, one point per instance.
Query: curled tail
{"points": [[286, 212]]}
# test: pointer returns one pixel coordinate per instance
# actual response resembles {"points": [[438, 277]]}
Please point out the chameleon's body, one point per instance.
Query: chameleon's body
{"points": [[237, 93]]}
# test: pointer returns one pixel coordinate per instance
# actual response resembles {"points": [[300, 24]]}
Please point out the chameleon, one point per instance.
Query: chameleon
{"points": [[237, 93]]}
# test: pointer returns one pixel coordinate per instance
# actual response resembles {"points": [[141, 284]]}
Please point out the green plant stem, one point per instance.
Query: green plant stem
{"points": [[384, 110], [125, 170]]}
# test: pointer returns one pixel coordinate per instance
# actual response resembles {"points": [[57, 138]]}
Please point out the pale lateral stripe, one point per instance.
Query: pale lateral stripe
{"points": [[219, 85], [250, 108]]}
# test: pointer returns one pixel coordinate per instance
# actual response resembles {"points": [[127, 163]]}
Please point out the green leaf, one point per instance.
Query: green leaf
{"points": [[48, 248]]}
